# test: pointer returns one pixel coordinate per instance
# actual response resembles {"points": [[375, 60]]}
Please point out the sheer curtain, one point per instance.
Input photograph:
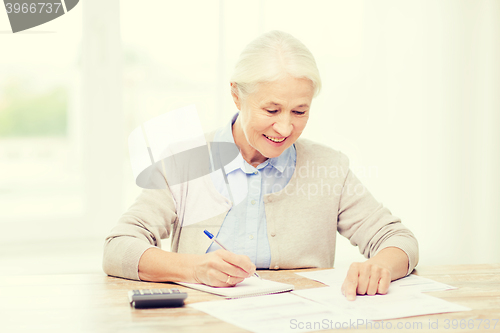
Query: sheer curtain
{"points": [[41, 179]]}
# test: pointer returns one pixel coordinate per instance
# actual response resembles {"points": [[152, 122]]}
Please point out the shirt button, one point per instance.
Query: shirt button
{"points": [[253, 202], [273, 234], [251, 236], [255, 172], [276, 267]]}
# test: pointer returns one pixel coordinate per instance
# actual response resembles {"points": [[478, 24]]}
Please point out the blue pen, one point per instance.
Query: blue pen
{"points": [[222, 246]]}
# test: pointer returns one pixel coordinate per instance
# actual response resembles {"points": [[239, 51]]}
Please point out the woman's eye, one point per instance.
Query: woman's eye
{"points": [[299, 112], [272, 111]]}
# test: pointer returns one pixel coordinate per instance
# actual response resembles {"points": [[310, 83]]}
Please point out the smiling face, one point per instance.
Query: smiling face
{"points": [[271, 118]]}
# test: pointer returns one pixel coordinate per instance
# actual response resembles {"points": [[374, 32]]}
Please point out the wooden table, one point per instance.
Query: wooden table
{"points": [[98, 303]]}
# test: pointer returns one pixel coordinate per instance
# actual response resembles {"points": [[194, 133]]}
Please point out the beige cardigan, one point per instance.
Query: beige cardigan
{"points": [[322, 197]]}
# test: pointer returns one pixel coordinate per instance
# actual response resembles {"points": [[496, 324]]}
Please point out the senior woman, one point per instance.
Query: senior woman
{"points": [[298, 194]]}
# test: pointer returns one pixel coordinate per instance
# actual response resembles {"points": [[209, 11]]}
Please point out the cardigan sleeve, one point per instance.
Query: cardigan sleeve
{"points": [[368, 224], [149, 219]]}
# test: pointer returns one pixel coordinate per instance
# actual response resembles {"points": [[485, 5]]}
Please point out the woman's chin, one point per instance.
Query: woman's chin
{"points": [[273, 152]]}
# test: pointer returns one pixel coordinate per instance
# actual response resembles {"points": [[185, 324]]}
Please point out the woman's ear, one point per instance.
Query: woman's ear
{"points": [[236, 97]]}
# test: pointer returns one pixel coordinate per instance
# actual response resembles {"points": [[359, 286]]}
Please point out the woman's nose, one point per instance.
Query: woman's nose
{"points": [[283, 125]]}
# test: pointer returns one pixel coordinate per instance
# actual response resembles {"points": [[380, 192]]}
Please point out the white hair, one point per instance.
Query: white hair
{"points": [[270, 57]]}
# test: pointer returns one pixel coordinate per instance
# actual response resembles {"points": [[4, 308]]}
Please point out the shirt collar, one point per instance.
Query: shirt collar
{"points": [[225, 134]]}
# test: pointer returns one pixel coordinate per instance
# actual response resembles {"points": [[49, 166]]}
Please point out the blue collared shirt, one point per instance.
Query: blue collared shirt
{"points": [[244, 230]]}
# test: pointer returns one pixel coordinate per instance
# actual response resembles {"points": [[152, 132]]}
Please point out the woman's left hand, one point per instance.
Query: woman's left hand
{"points": [[375, 275]]}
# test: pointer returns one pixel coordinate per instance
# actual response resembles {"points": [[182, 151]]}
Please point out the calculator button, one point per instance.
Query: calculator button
{"points": [[156, 291], [165, 291], [146, 292], [175, 291], [136, 292]]}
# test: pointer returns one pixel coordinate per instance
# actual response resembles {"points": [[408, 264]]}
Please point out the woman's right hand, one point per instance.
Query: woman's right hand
{"points": [[222, 268]]}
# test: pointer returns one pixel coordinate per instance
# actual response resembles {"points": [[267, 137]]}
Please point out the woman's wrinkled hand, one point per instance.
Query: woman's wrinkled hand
{"points": [[366, 278], [222, 268]]}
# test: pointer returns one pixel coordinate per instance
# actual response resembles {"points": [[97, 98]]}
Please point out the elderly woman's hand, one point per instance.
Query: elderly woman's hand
{"points": [[366, 278], [375, 275], [222, 268]]}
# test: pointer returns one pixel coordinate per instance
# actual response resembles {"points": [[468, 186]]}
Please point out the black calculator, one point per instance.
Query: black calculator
{"points": [[156, 298]]}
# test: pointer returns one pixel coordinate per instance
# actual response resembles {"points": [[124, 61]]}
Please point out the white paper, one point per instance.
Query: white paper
{"points": [[271, 313], [420, 284], [321, 308], [396, 304], [252, 286], [324, 308]]}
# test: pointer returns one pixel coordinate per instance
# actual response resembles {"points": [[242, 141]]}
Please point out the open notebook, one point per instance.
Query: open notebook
{"points": [[252, 286]]}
